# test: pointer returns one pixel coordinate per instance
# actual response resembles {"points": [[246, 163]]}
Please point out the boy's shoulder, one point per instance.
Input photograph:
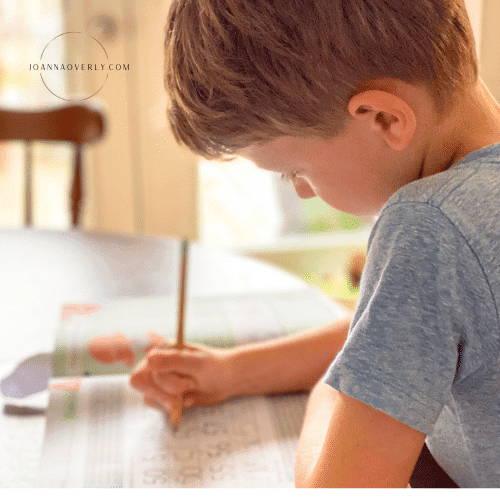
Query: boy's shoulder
{"points": [[469, 189], [458, 208]]}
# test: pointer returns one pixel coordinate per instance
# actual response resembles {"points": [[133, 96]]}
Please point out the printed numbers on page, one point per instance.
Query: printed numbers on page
{"points": [[251, 468], [206, 429], [183, 454], [188, 474], [214, 450], [155, 476], [220, 471]]}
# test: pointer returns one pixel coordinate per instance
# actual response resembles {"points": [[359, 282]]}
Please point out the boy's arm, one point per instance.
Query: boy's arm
{"points": [[293, 363], [346, 443]]}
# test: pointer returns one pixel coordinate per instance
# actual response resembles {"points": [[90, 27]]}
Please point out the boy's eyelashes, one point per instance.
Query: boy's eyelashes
{"points": [[289, 177]]}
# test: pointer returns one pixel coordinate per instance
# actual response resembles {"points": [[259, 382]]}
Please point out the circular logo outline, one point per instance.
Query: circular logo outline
{"points": [[107, 58]]}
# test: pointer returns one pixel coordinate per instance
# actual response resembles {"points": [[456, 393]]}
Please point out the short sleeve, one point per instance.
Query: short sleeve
{"points": [[415, 331]]}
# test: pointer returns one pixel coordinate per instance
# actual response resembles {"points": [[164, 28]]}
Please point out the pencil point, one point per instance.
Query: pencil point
{"points": [[176, 412]]}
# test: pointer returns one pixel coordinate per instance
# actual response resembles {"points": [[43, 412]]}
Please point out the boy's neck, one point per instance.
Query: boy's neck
{"points": [[473, 124]]}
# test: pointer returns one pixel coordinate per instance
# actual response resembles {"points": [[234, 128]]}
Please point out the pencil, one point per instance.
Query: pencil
{"points": [[176, 412], [25, 411]]}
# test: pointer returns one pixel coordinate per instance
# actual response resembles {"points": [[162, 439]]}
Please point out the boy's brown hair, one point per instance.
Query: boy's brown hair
{"points": [[246, 71]]}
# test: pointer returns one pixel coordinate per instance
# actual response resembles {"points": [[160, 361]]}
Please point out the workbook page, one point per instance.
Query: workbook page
{"points": [[102, 435], [221, 321]]}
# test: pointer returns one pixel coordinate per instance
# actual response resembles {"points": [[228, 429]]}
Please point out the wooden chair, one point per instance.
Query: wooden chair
{"points": [[77, 124]]}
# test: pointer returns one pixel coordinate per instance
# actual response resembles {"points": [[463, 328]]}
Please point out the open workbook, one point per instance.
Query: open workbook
{"points": [[100, 434]]}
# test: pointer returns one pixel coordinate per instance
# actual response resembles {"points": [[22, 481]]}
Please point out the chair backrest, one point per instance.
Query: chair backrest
{"points": [[77, 124]]}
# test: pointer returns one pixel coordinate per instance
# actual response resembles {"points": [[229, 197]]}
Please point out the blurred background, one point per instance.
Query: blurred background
{"points": [[137, 179]]}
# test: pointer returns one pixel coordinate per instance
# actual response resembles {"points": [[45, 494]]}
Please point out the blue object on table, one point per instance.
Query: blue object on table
{"points": [[31, 376]]}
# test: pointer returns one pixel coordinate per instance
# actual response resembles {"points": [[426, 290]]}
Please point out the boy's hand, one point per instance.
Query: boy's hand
{"points": [[201, 374]]}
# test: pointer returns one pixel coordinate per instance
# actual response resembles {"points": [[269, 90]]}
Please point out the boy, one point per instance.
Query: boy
{"points": [[376, 107]]}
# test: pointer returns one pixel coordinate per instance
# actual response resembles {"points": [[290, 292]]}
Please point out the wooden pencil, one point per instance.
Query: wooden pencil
{"points": [[176, 412]]}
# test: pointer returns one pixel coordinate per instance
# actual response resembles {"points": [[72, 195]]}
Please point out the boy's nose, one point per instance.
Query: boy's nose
{"points": [[303, 188]]}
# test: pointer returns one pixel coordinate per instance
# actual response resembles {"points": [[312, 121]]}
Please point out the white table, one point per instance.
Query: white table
{"points": [[40, 271]]}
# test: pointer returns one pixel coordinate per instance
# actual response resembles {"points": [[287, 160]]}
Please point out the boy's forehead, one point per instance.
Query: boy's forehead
{"points": [[283, 151], [286, 145], [275, 154]]}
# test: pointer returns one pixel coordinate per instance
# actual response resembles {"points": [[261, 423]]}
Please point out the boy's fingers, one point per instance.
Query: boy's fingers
{"points": [[163, 389], [173, 360], [173, 383], [163, 345], [159, 359], [149, 401], [158, 343], [155, 393], [139, 373], [189, 400], [141, 382]]}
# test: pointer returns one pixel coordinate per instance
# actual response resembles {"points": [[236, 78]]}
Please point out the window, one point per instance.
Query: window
{"points": [[255, 213]]}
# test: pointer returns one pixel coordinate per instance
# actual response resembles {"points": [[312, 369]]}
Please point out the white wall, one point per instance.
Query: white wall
{"points": [[490, 46], [139, 179], [474, 9]]}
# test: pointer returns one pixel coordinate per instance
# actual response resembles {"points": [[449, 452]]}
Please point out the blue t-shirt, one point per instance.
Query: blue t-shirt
{"points": [[424, 343]]}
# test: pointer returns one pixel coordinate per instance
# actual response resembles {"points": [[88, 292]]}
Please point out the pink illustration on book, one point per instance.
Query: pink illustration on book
{"points": [[67, 385], [117, 347], [112, 348], [70, 310]]}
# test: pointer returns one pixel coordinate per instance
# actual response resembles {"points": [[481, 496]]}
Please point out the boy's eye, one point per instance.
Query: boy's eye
{"points": [[288, 177]]}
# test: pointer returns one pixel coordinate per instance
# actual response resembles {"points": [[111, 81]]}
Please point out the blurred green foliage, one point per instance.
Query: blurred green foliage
{"points": [[320, 217]]}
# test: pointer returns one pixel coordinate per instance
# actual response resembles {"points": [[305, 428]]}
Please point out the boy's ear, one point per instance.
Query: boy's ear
{"points": [[386, 113]]}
